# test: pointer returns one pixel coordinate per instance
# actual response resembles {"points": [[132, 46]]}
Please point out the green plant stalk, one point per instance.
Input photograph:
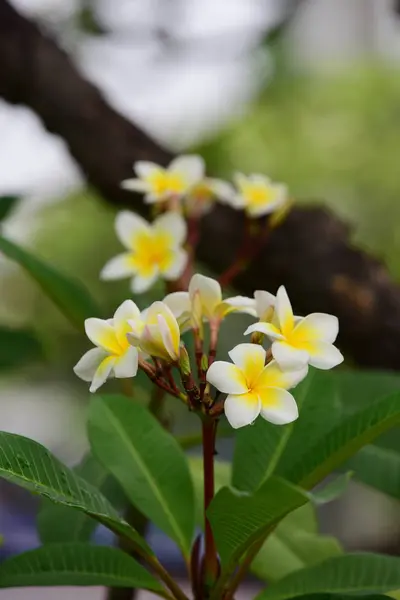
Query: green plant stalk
{"points": [[210, 559]]}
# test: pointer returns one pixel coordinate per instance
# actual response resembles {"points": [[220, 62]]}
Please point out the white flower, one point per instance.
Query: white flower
{"points": [[154, 250], [113, 356], [202, 196], [258, 195], [255, 389], [204, 301], [160, 184], [300, 341], [160, 335]]}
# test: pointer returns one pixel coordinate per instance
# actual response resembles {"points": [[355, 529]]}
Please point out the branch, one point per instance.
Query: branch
{"points": [[310, 252]]}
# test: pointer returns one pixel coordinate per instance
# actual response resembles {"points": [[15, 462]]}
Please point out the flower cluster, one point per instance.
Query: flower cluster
{"points": [[256, 381]]}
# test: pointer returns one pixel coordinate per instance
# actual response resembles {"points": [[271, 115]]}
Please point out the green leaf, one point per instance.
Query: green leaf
{"points": [[147, 461], [59, 523], [260, 448], [67, 293], [333, 489], [352, 573], [322, 455], [7, 203], [378, 467], [295, 544], [30, 465], [18, 347], [222, 477], [75, 564], [239, 519]]}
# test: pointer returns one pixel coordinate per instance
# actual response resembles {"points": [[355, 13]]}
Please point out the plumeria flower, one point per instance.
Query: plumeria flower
{"points": [[258, 195], [112, 356], [297, 342], [159, 335], [203, 300], [255, 389], [153, 250], [203, 195], [160, 184]]}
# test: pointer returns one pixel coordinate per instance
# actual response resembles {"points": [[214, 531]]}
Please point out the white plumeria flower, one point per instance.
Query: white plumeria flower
{"points": [[255, 389], [113, 356], [160, 334], [205, 296], [300, 341], [265, 304], [154, 250], [160, 184], [258, 195], [200, 200]]}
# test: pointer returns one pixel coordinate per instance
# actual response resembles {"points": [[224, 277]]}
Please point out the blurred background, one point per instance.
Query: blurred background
{"points": [[306, 91]]}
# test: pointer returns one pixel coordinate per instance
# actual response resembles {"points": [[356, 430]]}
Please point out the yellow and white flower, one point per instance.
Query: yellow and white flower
{"points": [[255, 389], [300, 341], [154, 250], [258, 195], [203, 300], [159, 335], [160, 184], [203, 195], [112, 356]]}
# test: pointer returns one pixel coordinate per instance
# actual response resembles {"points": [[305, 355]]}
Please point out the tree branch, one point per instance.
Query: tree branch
{"points": [[310, 252]]}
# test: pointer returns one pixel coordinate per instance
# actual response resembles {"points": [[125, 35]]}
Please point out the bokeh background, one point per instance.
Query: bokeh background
{"points": [[306, 91]]}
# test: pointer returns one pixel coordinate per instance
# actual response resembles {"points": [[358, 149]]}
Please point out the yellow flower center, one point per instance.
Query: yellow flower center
{"points": [[257, 194], [202, 193], [150, 250], [162, 182]]}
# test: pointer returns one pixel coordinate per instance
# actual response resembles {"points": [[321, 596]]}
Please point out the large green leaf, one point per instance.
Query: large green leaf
{"points": [[67, 293], [352, 573], [322, 454], [59, 523], [18, 347], [260, 448], [30, 465], [222, 476], [75, 564], [378, 467], [147, 461], [7, 203], [294, 544], [239, 519]]}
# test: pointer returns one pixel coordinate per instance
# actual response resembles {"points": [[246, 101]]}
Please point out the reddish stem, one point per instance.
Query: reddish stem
{"points": [[210, 558]]}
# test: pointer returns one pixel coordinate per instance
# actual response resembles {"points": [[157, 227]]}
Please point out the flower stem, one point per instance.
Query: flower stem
{"points": [[211, 564]]}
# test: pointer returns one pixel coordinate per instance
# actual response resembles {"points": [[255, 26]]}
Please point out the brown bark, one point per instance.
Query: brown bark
{"points": [[310, 252]]}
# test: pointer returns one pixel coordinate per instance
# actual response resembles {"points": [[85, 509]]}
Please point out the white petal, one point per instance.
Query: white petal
{"points": [[190, 165], [103, 372], [264, 303], [273, 376], [127, 311], [318, 327], [242, 304], [89, 363], [278, 406], [227, 378], [173, 223], [283, 310], [178, 302], [288, 357], [178, 265], [118, 267], [134, 185], [245, 355], [324, 356], [209, 290], [144, 168], [140, 284], [241, 410], [265, 328], [127, 364], [166, 337], [127, 225], [102, 334], [223, 190], [237, 202]]}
